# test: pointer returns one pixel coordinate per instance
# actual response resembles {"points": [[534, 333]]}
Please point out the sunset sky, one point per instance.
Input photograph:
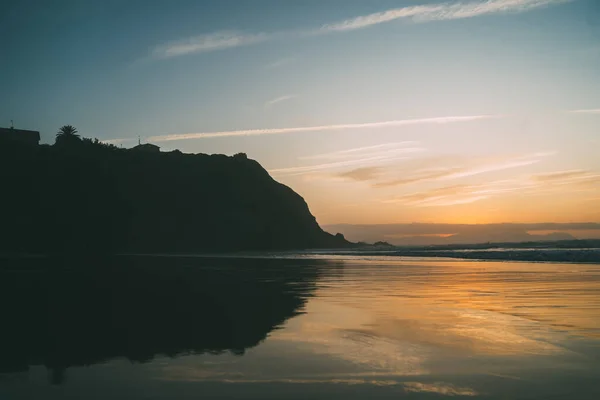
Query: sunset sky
{"points": [[374, 111]]}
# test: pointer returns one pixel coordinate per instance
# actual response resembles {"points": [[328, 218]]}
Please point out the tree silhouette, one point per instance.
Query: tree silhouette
{"points": [[67, 134], [67, 130]]}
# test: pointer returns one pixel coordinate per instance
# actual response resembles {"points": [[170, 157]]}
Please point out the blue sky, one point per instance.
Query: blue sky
{"points": [[345, 101]]}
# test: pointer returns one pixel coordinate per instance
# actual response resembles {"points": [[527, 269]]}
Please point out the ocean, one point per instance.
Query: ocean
{"points": [[299, 326]]}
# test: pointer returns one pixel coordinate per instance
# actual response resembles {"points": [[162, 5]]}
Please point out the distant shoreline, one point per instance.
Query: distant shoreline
{"points": [[591, 256], [558, 255]]}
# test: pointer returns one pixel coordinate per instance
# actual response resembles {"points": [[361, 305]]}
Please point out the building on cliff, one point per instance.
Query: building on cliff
{"points": [[19, 136]]}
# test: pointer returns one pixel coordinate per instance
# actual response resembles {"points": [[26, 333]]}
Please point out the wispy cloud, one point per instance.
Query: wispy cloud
{"points": [[362, 174], [366, 155], [471, 168], [458, 194], [589, 111], [364, 21], [553, 182], [394, 146], [506, 164], [443, 196], [208, 42], [281, 62], [560, 175], [427, 13], [326, 166], [419, 176], [320, 128], [580, 178], [439, 12], [272, 102]]}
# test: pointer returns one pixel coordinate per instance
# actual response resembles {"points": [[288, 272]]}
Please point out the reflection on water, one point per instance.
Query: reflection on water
{"points": [[63, 314], [335, 327]]}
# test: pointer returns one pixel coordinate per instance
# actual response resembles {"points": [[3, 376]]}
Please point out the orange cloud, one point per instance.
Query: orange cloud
{"points": [[362, 174]]}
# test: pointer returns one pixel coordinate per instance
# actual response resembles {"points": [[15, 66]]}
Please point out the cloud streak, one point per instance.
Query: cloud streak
{"points": [[280, 63], [439, 12], [394, 146], [272, 102], [552, 182], [208, 42], [362, 174], [320, 128], [435, 12], [456, 172], [588, 111], [560, 175], [327, 166], [577, 178], [377, 154], [458, 194]]}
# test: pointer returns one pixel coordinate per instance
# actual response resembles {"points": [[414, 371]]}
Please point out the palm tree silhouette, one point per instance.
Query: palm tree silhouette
{"points": [[67, 130], [67, 134]]}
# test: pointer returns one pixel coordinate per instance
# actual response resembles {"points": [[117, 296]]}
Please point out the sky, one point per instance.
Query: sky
{"points": [[375, 112]]}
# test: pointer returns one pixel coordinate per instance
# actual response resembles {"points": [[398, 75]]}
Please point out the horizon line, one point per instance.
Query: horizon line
{"points": [[575, 224]]}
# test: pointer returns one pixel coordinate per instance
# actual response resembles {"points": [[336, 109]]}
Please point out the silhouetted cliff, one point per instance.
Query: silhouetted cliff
{"points": [[91, 197]]}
